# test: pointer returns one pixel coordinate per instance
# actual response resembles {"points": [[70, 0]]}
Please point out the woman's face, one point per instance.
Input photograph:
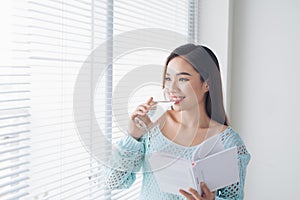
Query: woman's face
{"points": [[183, 85]]}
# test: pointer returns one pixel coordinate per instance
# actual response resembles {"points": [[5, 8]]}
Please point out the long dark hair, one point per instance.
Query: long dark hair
{"points": [[206, 64]]}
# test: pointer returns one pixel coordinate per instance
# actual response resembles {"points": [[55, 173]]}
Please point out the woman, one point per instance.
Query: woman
{"points": [[192, 81]]}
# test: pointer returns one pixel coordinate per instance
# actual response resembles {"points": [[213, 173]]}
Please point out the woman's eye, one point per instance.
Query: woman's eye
{"points": [[167, 79], [183, 79]]}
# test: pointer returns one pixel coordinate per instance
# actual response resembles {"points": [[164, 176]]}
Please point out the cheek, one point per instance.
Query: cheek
{"points": [[196, 88], [190, 89], [193, 93]]}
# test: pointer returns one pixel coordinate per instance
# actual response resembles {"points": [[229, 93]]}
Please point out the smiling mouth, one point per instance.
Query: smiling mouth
{"points": [[177, 100]]}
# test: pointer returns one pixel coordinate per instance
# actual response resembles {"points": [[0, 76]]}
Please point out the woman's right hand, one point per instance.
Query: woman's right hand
{"points": [[141, 111]]}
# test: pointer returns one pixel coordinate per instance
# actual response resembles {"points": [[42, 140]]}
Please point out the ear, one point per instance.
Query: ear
{"points": [[206, 85]]}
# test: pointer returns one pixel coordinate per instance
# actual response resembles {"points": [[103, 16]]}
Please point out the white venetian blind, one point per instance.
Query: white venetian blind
{"points": [[14, 110], [137, 74], [85, 65], [61, 35]]}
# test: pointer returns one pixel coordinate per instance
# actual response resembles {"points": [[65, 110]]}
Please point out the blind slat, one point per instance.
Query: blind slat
{"points": [[14, 157], [14, 190]]}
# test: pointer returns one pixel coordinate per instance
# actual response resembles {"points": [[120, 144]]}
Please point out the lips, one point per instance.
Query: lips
{"points": [[177, 99]]}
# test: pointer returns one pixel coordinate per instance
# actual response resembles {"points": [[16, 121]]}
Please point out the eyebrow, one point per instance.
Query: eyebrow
{"points": [[181, 73]]}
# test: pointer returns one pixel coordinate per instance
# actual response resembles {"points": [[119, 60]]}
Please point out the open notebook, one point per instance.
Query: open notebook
{"points": [[211, 163]]}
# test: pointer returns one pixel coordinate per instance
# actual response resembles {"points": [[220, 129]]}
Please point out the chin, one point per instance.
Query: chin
{"points": [[177, 107]]}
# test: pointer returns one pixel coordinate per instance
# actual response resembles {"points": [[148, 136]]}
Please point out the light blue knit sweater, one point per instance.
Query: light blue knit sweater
{"points": [[132, 155]]}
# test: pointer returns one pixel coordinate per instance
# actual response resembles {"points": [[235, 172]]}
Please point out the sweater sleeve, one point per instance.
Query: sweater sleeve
{"points": [[126, 160], [235, 191]]}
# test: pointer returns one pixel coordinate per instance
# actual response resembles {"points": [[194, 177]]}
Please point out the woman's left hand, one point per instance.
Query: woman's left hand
{"points": [[194, 195]]}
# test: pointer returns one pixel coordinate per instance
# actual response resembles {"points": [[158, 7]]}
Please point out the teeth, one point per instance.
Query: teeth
{"points": [[177, 99]]}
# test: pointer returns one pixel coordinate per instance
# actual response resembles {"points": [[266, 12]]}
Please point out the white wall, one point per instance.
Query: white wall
{"points": [[214, 32], [259, 42], [265, 94]]}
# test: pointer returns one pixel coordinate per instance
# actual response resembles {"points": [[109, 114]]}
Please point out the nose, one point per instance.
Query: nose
{"points": [[172, 86]]}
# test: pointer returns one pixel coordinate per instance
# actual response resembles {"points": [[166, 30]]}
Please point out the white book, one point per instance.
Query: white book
{"points": [[211, 164]]}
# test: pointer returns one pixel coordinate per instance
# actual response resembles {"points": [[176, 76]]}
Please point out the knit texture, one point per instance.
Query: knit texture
{"points": [[131, 155]]}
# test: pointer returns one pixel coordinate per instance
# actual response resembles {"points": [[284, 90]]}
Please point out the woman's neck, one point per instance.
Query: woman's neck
{"points": [[193, 119]]}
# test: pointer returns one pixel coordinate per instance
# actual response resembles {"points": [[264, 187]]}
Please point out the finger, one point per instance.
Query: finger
{"points": [[137, 113], [139, 123], [149, 101], [143, 108], [186, 194], [141, 113], [195, 194], [153, 105], [214, 194], [205, 189]]}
